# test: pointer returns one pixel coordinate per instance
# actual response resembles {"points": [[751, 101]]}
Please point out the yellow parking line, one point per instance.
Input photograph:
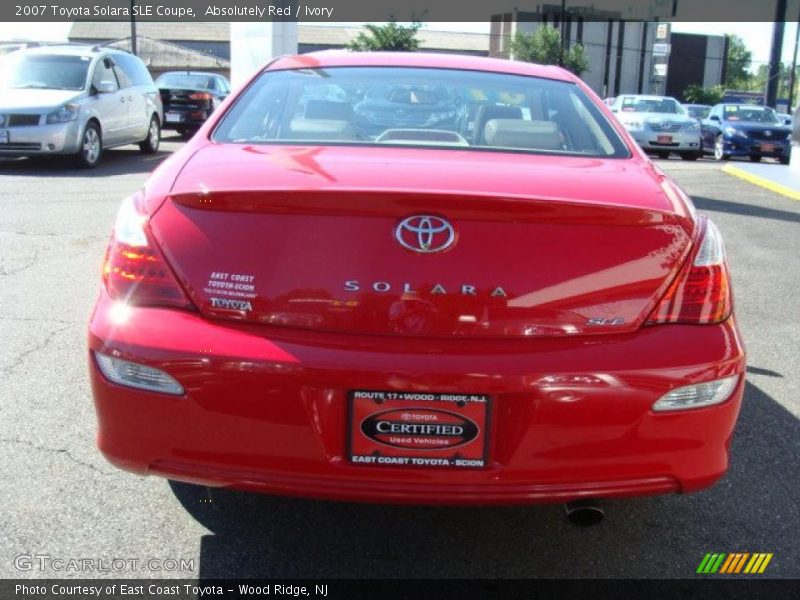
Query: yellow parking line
{"points": [[762, 182]]}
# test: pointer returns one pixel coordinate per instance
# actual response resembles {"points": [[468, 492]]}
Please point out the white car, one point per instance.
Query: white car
{"points": [[76, 100], [659, 124]]}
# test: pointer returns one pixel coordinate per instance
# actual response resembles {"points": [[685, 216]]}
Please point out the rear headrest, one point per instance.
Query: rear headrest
{"points": [[328, 109], [321, 129], [487, 112], [516, 133]]}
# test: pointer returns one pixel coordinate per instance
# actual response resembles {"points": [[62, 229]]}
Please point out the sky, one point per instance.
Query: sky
{"points": [[757, 36]]}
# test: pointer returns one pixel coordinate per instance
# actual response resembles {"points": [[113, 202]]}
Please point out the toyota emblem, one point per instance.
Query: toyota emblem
{"points": [[425, 234]]}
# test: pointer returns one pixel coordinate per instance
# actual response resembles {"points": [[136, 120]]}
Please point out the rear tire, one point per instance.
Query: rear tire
{"points": [[151, 143], [754, 158], [784, 160], [663, 155], [690, 156], [719, 149], [91, 147]]}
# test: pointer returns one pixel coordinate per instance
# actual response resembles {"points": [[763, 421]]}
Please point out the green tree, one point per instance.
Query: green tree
{"points": [[737, 65], [543, 46], [391, 37], [697, 94], [785, 71]]}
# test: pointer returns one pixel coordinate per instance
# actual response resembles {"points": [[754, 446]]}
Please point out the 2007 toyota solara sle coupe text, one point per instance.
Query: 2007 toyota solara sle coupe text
{"points": [[416, 278]]}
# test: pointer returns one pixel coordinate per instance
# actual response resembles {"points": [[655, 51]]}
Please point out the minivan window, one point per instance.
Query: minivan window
{"points": [[122, 76], [103, 72], [423, 107], [44, 71]]}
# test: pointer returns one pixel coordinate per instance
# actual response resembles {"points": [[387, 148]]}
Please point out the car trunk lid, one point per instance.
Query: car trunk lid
{"points": [[313, 238]]}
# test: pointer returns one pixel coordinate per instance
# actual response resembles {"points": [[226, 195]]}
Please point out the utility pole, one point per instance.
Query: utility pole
{"points": [[563, 25], [775, 52], [789, 109], [133, 29]]}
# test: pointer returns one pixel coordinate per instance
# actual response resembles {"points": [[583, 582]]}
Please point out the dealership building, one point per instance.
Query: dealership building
{"points": [[624, 56]]}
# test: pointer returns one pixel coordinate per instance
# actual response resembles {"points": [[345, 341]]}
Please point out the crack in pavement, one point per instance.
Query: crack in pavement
{"points": [[25, 267], [61, 451], [20, 358], [30, 234], [41, 320]]}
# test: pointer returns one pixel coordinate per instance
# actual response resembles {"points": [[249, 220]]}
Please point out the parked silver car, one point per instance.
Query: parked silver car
{"points": [[76, 100], [659, 124]]}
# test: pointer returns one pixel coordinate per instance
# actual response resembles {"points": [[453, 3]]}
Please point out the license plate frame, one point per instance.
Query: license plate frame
{"points": [[418, 430], [768, 147], [173, 117], [664, 139]]}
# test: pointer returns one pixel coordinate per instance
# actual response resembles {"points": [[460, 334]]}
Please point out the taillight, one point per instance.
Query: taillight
{"points": [[200, 96], [701, 292], [135, 272]]}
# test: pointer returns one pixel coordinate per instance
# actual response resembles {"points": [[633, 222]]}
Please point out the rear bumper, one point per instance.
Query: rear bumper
{"points": [[180, 116], [572, 416]]}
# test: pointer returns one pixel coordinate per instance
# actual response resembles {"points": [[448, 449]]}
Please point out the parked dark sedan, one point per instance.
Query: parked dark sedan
{"points": [[746, 130], [697, 111], [409, 106], [189, 97]]}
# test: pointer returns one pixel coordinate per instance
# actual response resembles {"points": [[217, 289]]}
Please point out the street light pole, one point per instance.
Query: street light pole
{"points": [[775, 53], [133, 29]]}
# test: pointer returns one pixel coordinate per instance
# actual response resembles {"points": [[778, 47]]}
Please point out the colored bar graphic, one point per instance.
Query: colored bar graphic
{"points": [[764, 564], [722, 563], [718, 563], [741, 562], [727, 564], [703, 564]]}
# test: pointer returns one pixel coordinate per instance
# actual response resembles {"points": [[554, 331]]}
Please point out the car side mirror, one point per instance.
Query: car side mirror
{"points": [[106, 87], [714, 118]]}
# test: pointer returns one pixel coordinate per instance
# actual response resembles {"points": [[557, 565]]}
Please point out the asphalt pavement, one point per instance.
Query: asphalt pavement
{"points": [[59, 498]]}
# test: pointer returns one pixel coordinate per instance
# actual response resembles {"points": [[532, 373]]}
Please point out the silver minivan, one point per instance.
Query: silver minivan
{"points": [[76, 100]]}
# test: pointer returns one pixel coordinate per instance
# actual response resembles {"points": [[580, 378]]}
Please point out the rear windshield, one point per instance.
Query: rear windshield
{"points": [[185, 80], [420, 107], [44, 71]]}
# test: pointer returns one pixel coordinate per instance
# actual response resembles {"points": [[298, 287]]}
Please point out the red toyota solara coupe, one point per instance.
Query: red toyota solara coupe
{"points": [[421, 279]]}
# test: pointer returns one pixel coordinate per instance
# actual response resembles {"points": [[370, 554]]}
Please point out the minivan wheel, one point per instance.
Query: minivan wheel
{"points": [[755, 158], [91, 148], [663, 155], [784, 160], [690, 155], [151, 143]]}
